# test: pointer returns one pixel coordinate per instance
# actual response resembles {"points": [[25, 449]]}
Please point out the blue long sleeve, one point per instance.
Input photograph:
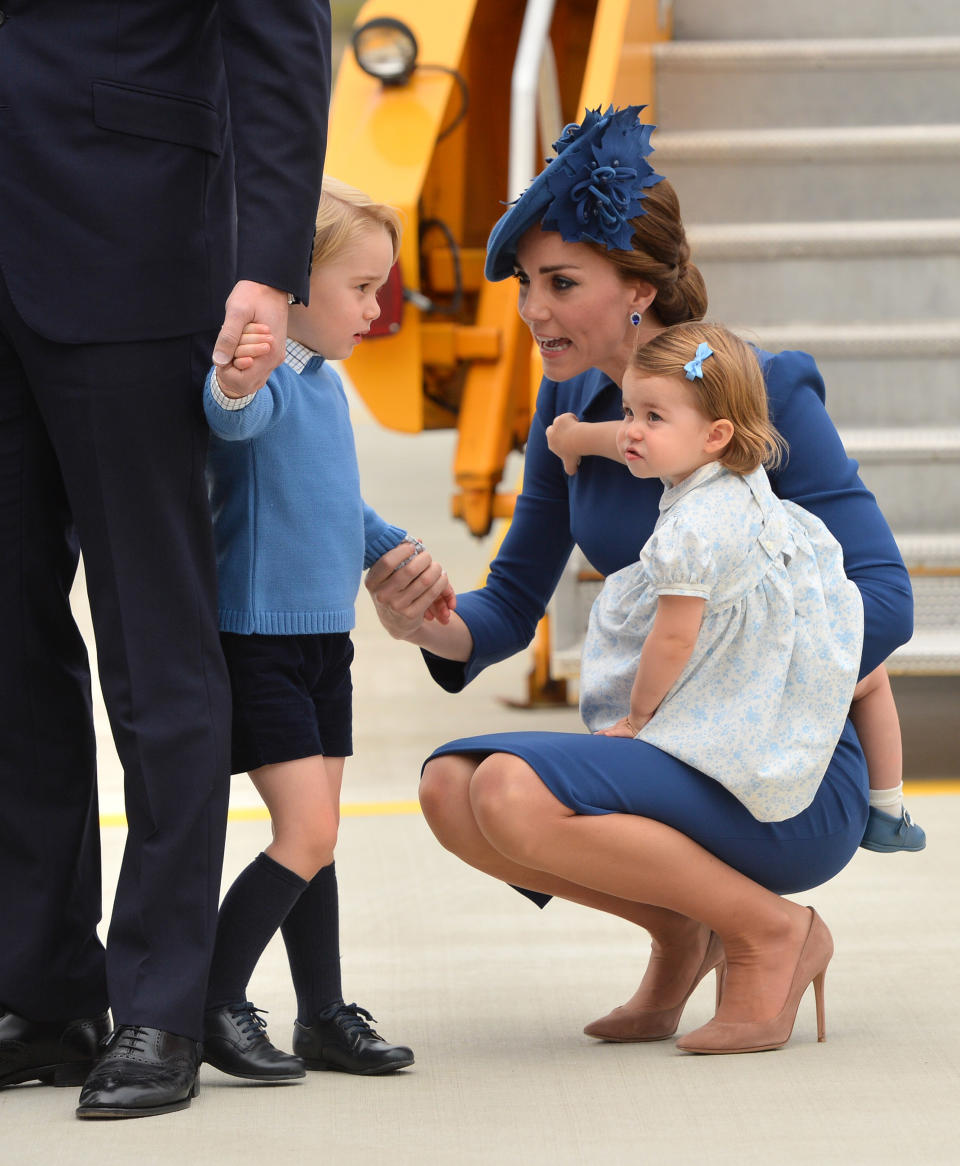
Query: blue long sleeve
{"points": [[292, 531]]}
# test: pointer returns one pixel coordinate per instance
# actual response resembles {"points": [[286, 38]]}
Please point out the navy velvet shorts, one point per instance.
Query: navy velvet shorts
{"points": [[292, 697]]}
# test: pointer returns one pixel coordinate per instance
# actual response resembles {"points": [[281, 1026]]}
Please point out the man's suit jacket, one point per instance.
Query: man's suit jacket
{"points": [[126, 126]]}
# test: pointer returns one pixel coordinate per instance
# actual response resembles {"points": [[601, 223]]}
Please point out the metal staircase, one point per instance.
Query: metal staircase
{"points": [[816, 152], [819, 170]]}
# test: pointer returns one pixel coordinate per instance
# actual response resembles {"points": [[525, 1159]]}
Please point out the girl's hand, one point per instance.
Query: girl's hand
{"points": [[625, 727], [560, 440]]}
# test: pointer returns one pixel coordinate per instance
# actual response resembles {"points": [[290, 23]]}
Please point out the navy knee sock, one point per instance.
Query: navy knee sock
{"points": [[311, 932], [252, 910]]}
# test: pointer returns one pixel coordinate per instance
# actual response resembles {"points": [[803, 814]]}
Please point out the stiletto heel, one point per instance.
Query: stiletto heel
{"points": [[755, 1036], [721, 970], [821, 1009], [623, 1026]]}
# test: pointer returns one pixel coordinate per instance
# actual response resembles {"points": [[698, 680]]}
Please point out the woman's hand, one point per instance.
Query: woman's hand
{"points": [[560, 440], [404, 595]]}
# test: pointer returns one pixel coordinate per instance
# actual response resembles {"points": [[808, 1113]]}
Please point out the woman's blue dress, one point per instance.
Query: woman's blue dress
{"points": [[610, 515]]}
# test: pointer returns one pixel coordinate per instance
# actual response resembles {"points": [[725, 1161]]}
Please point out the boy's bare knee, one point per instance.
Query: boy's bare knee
{"points": [[307, 851]]}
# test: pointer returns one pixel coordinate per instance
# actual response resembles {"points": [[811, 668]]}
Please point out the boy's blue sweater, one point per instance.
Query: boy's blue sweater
{"points": [[292, 531]]}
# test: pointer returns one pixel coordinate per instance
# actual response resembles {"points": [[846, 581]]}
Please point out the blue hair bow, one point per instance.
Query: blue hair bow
{"points": [[694, 368]]}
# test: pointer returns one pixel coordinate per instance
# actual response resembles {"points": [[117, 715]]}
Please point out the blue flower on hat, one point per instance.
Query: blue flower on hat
{"points": [[574, 129], [598, 179]]}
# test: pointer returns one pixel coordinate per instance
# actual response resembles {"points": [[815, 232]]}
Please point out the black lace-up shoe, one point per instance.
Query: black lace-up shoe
{"points": [[56, 1052], [342, 1039], [142, 1072], [235, 1042]]}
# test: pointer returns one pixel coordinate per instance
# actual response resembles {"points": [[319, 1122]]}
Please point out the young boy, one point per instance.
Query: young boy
{"points": [[293, 537]]}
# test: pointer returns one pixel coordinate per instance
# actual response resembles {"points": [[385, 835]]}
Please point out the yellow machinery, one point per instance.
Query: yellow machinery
{"points": [[449, 145], [440, 145]]}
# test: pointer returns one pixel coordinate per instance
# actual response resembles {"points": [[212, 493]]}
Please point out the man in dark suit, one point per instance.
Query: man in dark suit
{"points": [[153, 156]]}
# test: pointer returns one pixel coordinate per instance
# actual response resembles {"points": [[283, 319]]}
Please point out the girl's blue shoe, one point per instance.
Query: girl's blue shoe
{"points": [[887, 833]]}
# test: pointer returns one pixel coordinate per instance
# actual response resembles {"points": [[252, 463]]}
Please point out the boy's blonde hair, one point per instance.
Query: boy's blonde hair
{"points": [[344, 214], [732, 386]]}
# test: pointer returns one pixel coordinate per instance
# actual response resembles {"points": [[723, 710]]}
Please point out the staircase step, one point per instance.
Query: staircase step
{"points": [[753, 83], [922, 445], [874, 371], [906, 340], [741, 19], [911, 472], [930, 552], [824, 239], [930, 652], [761, 272], [936, 602], [934, 565], [793, 175]]}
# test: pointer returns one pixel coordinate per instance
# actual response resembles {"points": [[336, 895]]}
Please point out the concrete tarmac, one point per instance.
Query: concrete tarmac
{"points": [[492, 994]]}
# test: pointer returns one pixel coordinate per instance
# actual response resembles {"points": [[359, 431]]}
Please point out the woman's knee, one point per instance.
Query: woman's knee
{"points": [[443, 791], [508, 800]]}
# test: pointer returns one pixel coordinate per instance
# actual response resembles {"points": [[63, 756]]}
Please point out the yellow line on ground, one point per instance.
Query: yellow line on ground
{"points": [[259, 813], [936, 785], [911, 789]]}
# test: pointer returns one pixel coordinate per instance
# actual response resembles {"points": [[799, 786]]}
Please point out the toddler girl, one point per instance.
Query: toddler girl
{"points": [[734, 642]]}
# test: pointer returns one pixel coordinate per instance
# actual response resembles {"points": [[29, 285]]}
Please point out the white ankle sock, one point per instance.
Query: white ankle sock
{"points": [[889, 801]]}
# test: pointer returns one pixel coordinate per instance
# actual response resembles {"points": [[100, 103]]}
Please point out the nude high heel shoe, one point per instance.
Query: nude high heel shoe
{"points": [[624, 1026], [756, 1036]]}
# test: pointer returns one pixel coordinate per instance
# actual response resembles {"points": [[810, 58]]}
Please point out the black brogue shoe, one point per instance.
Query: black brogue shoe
{"points": [[142, 1072], [56, 1052]]}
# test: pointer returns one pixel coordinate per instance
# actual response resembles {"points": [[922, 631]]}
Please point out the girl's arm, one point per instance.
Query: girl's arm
{"points": [[571, 440], [664, 656]]}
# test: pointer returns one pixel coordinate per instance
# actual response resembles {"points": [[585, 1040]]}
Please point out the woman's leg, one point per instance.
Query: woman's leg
{"points": [[645, 862], [678, 942]]}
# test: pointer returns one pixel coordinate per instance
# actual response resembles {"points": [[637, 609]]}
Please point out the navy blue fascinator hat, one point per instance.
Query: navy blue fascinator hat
{"points": [[589, 191]]}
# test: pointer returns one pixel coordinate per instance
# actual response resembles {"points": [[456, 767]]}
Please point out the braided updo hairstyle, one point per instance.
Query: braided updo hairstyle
{"points": [[661, 257]]}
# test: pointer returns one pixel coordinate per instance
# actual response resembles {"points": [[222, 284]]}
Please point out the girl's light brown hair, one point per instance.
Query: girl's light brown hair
{"points": [[732, 387], [344, 214], [661, 257]]}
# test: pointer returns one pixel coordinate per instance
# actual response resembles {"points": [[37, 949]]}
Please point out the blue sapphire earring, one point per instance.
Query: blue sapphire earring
{"points": [[635, 318]]}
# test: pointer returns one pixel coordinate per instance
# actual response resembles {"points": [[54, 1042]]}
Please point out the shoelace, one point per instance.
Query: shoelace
{"points": [[130, 1038], [249, 1019], [353, 1020]]}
